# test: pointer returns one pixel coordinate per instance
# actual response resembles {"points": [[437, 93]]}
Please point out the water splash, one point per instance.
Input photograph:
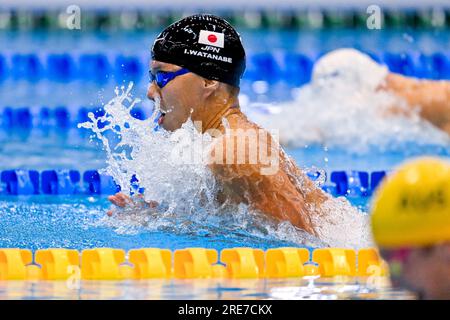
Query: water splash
{"points": [[186, 191], [341, 107], [343, 225], [136, 151]]}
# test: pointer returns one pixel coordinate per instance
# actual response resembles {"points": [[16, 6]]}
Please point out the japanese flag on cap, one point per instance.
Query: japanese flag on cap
{"points": [[211, 38]]}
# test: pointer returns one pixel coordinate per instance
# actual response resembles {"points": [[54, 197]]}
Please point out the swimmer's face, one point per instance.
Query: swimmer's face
{"points": [[181, 98], [423, 270]]}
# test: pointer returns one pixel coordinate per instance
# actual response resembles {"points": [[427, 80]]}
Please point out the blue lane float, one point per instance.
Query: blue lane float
{"points": [[26, 66], [61, 67], [434, 66], [94, 67], [59, 117], [400, 63], [128, 68], [19, 118], [91, 182], [19, 182], [56, 182], [3, 68], [353, 183], [441, 63], [297, 69], [96, 183], [375, 178], [294, 67], [60, 182]]}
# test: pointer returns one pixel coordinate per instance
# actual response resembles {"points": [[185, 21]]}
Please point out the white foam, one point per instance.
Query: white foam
{"points": [[186, 190], [341, 107], [342, 225]]}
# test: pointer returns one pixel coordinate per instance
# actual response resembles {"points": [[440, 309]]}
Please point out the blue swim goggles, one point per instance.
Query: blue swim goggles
{"points": [[162, 78]]}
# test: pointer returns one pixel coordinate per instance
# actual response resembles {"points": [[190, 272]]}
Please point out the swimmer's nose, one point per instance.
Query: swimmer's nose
{"points": [[152, 92]]}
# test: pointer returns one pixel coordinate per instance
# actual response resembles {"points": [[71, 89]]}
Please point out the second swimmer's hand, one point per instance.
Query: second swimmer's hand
{"points": [[121, 200]]}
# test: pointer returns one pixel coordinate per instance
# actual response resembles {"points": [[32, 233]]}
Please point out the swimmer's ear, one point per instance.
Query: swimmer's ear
{"points": [[210, 86]]}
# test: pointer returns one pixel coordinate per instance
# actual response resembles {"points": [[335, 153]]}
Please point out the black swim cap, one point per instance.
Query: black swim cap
{"points": [[206, 45]]}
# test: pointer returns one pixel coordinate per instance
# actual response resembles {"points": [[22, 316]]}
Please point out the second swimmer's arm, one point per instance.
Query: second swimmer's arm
{"points": [[431, 97]]}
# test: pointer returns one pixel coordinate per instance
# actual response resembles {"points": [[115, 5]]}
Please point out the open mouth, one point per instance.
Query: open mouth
{"points": [[161, 118]]}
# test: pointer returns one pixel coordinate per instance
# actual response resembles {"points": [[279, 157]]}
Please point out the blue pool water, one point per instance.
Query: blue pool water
{"points": [[41, 106], [79, 221], [31, 88], [53, 222]]}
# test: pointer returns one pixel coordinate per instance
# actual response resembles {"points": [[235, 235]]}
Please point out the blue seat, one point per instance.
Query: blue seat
{"points": [[96, 183], [60, 182], [20, 182], [26, 66], [94, 67], [128, 68], [61, 67]]}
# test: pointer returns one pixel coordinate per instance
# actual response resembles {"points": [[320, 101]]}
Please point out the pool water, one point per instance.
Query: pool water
{"points": [[80, 222], [73, 222], [205, 289]]}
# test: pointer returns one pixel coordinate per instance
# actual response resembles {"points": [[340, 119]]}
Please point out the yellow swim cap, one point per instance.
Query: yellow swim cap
{"points": [[412, 206]]}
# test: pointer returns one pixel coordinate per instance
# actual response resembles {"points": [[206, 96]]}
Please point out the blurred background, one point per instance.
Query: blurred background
{"points": [[61, 59]]}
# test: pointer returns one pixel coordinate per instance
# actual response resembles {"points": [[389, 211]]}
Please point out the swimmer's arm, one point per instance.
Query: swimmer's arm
{"points": [[431, 97], [273, 194], [121, 200]]}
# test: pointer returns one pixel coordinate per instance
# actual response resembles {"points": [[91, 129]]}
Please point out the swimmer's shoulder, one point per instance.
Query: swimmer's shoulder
{"points": [[239, 120]]}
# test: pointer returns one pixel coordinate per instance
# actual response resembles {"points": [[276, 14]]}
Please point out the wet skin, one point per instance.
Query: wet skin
{"points": [[430, 97], [287, 194]]}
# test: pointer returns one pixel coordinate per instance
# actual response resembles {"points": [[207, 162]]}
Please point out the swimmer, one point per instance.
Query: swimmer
{"points": [[411, 225], [196, 67], [430, 97]]}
